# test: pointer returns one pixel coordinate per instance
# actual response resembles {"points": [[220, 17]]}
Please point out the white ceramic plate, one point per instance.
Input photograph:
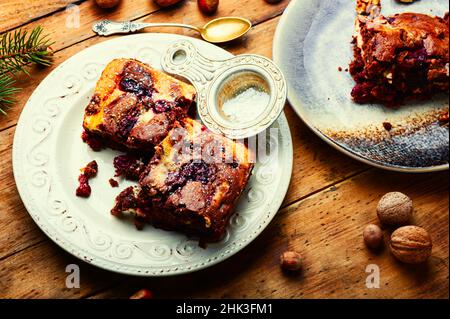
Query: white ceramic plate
{"points": [[48, 153], [312, 41]]}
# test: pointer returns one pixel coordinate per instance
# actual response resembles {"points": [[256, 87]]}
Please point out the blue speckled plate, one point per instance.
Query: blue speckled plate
{"points": [[311, 43]]}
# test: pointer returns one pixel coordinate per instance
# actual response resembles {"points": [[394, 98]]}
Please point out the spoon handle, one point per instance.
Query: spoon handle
{"points": [[108, 27]]}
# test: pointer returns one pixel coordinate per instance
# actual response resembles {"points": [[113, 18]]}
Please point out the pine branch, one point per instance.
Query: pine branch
{"points": [[7, 92], [20, 48]]}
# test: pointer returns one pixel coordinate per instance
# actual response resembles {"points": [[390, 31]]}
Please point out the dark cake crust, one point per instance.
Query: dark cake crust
{"points": [[404, 56]]}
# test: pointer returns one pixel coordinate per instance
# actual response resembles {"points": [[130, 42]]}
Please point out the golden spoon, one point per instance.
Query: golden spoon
{"points": [[216, 31]]}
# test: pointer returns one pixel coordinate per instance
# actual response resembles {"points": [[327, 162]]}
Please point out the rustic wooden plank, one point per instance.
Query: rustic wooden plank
{"points": [[17, 230], [335, 257], [28, 275], [316, 164], [66, 29], [188, 13], [14, 13], [327, 229]]}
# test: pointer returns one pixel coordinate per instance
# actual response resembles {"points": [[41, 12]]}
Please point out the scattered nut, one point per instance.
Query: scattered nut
{"points": [[373, 236], [166, 3], [291, 260], [106, 4], [411, 244], [395, 209], [208, 6], [142, 294]]}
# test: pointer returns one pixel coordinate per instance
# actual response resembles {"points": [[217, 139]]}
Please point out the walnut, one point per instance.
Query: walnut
{"points": [[411, 244], [395, 209]]}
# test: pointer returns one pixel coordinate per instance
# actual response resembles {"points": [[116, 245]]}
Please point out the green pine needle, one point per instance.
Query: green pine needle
{"points": [[19, 49], [7, 92]]}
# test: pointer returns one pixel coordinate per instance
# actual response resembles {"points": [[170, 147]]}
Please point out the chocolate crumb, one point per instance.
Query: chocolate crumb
{"points": [[89, 171], [139, 224], [203, 244], [387, 126], [113, 182], [83, 189]]}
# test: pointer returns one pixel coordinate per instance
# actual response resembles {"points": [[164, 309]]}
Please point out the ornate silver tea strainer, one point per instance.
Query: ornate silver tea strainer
{"points": [[238, 97]]}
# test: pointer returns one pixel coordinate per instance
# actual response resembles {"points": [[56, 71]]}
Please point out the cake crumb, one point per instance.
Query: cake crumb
{"points": [[87, 172], [113, 182], [387, 126]]}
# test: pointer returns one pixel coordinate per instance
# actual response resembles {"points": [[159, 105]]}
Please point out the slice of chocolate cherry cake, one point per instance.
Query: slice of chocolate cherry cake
{"points": [[400, 57], [191, 184], [134, 106]]}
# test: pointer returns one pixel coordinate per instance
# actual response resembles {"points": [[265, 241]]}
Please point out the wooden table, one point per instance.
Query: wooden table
{"points": [[330, 200]]}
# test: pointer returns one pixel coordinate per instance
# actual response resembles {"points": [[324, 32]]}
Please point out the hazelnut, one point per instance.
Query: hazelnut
{"points": [[291, 260], [373, 236], [106, 4], [395, 209], [166, 3], [411, 244], [208, 6]]}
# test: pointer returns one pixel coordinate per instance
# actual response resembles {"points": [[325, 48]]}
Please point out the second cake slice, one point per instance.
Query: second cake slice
{"points": [[134, 106]]}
